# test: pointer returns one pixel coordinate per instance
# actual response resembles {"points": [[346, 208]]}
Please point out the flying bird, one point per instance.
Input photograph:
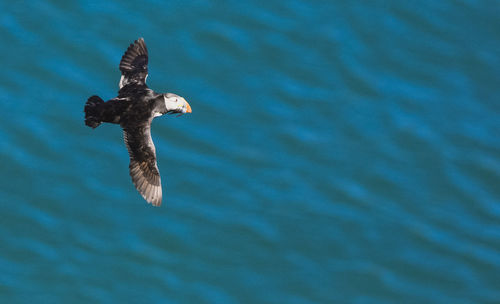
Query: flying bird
{"points": [[134, 109]]}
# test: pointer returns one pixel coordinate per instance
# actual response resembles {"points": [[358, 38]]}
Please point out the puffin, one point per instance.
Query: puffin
{"points": [[134, 109]]}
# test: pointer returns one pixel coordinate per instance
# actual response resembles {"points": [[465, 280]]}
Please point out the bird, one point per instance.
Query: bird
{"points": [[134, 109]]}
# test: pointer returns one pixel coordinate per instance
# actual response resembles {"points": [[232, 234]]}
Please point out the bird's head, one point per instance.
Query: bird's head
{"points": [[176, 104]]}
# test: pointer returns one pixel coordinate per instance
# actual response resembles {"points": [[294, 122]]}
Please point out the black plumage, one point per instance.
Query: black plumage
{"points": [[134, 109]]}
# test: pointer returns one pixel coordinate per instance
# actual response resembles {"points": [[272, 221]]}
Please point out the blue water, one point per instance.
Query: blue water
{"points": [[337, 152]]}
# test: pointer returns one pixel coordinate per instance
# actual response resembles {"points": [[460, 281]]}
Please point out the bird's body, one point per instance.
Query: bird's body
{"points": [[134, 109]]}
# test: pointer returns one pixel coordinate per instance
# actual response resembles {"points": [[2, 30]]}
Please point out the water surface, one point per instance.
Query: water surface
{"points": [[336, 153]]}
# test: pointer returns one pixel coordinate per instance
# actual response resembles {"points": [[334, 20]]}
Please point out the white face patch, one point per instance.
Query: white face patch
{"points": [[172, 101], [176, 103]]}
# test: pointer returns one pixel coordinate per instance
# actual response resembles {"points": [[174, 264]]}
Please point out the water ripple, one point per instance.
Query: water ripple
{"points": [[335, 153]]}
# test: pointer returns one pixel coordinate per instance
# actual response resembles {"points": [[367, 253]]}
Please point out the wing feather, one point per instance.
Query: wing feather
{"points": [[143, 168], [134, 64]]}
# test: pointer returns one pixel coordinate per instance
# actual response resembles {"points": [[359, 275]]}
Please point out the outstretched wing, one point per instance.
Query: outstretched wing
{"points": [[143, 168], [134, 64]]}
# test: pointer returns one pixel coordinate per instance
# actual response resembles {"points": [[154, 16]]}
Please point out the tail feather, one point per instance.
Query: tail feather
{"points": [[92, 115]]}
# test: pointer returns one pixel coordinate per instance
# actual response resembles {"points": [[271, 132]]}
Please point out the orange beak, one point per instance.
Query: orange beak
{"points": [[188, 108]]}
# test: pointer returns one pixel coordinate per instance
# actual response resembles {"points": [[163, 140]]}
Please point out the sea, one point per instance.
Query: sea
{"points": [[337, 152]]}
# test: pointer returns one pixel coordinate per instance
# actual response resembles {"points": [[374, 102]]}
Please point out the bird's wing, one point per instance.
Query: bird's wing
{"points": [[143, 168], [134, 64]]}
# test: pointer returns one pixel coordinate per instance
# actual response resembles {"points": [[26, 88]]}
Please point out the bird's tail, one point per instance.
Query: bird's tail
{"points": [[92, 115]]}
